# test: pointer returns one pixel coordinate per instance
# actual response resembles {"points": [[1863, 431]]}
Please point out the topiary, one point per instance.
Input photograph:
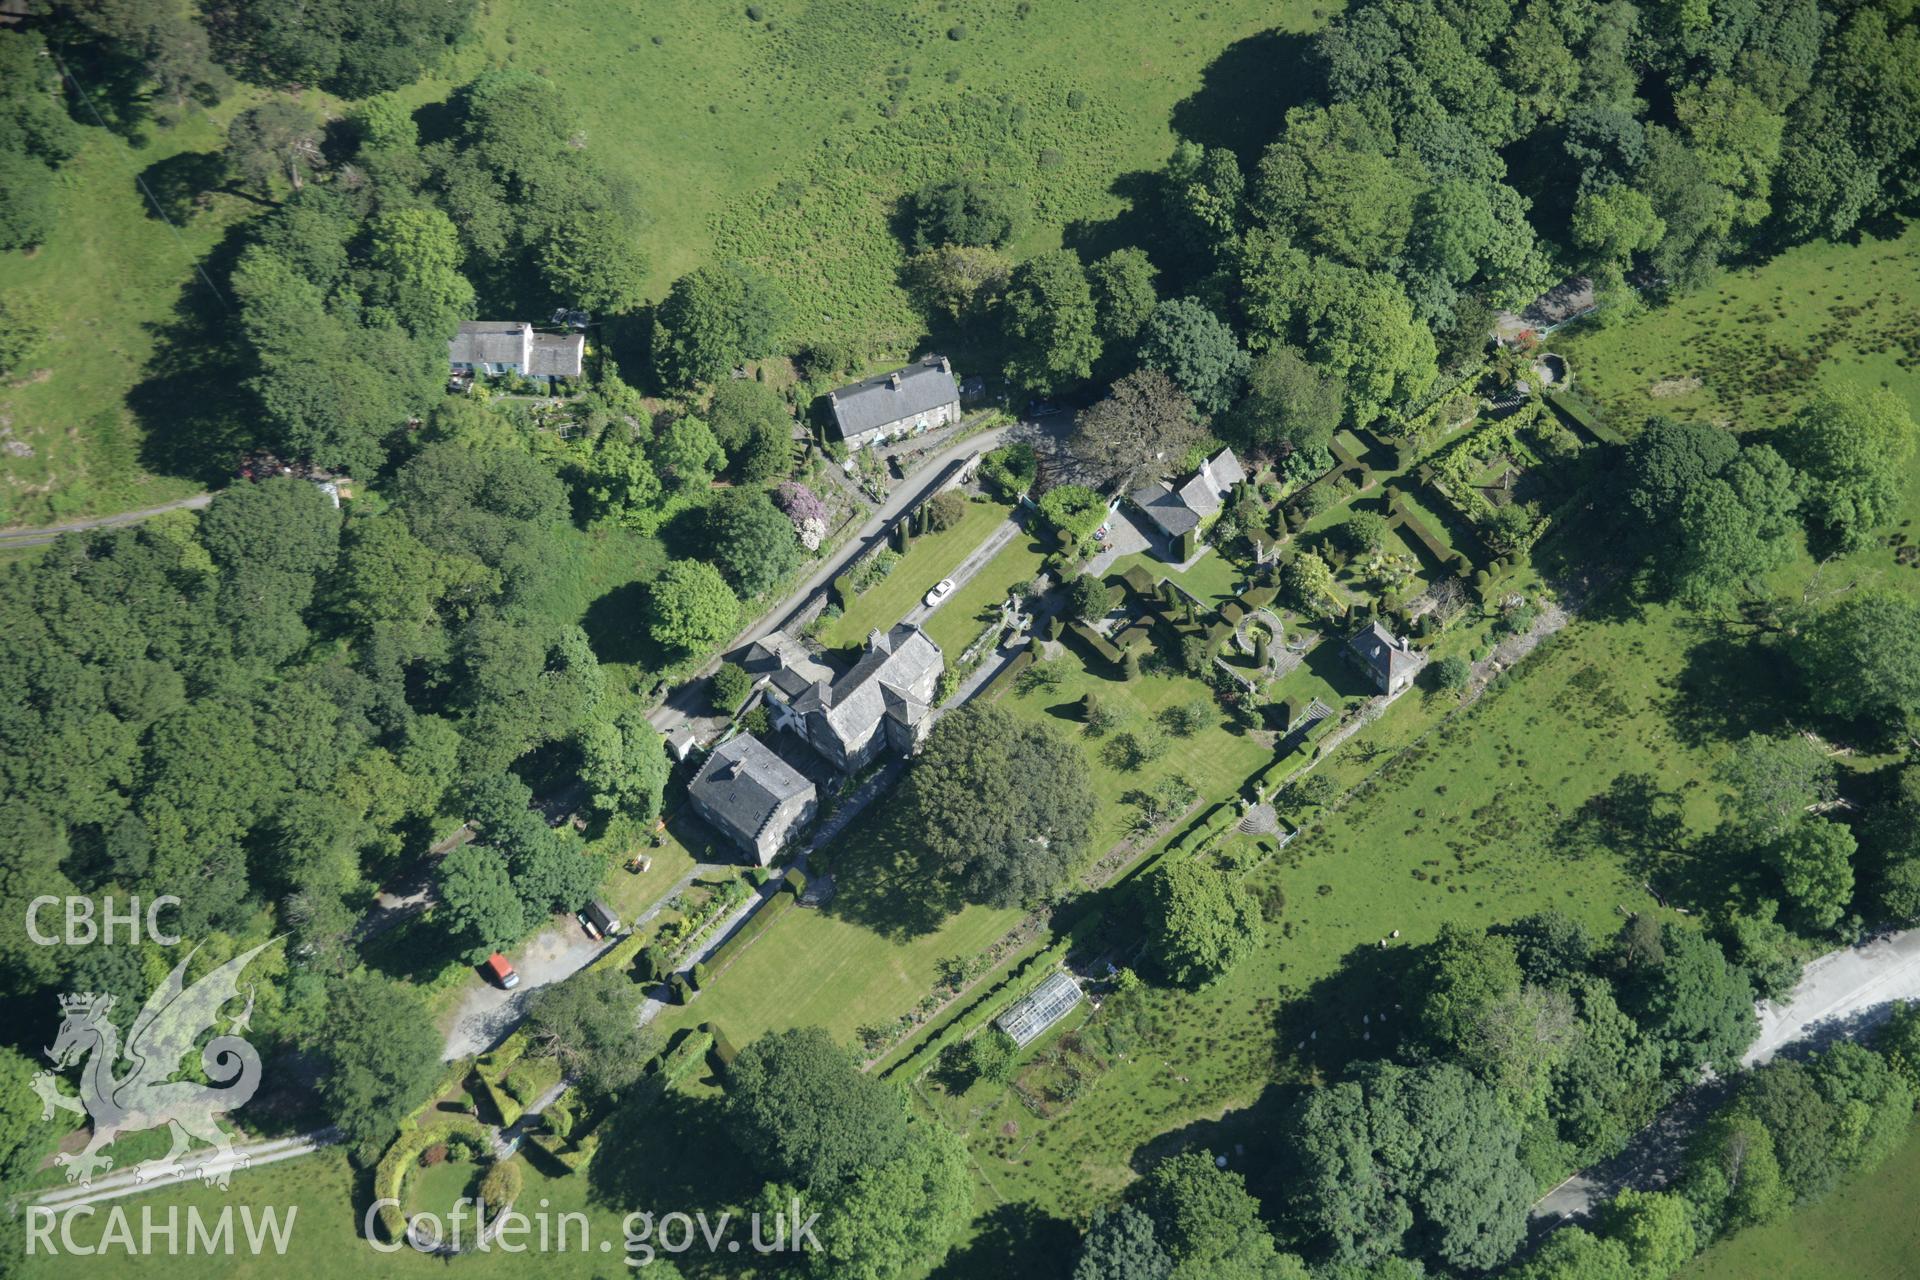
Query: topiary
{"points": [[502, 1184]]}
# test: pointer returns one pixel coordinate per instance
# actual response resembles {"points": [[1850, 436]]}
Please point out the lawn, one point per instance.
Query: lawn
{"points": [[1865, 1229], [1212, 579], [866, 958], [928, 559], [628, 892], [1215, 760], [959, 621]]}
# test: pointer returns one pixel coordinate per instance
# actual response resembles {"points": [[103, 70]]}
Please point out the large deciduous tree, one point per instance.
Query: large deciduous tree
{"points": [[1853, 446], [1292, 405], [999, 803], [691, 607], [1051, 318], [1856, 663], [588, 1024], [382, 1055], [890, 1215], [802, 1108], [1145, 423], [712, 319], [752, 542], [1197, 350], [355, 48], [623, 762], [1200, 922], [1424, 1160]]}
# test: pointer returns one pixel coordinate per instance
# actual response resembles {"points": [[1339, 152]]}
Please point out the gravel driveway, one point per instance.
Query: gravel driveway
{"points": [[487, 1013]]}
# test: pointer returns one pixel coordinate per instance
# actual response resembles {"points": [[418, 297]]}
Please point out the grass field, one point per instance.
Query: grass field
{"points": [[867, 957], [1750, 350], [928, 559], [785, 143], [107, 280], [1864, 1230]]}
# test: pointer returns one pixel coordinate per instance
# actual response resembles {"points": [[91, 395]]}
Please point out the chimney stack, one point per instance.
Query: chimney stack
{"points": [[893, 380]]}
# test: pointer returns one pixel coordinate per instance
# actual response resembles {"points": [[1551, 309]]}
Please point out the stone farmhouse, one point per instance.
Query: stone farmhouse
{"points": [[907, 401], [883, 702], [495, 347], [1181, 512], [753, 797]]}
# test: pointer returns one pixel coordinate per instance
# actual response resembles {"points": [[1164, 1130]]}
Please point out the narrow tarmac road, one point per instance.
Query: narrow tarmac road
{"points": [[1842, 995], [48, 532]]}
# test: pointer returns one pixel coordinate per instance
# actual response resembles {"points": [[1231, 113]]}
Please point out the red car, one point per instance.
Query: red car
{"points": [[501, 972]]}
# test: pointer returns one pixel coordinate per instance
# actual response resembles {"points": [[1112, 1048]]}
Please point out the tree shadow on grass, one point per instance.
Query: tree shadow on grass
{"points": [[1730, 686], [197, 416], [883, 882], [616, 627], [684, 535], [1247, 91], [1360, 1011], [1018, 1241], [415, 950], [183, 185], [1252, 1138], [647, 1161]]}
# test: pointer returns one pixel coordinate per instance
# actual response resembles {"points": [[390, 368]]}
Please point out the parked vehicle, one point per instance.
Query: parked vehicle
{"points": [[600, 920], [501, 972], [941, 590]]}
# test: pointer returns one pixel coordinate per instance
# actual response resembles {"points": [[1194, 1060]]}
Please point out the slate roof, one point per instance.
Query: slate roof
{"points": [[490, 342], [557, 354], [894, 679], [742, 783], [514, 342], [1178, 510], [1383, 653], [862, 406], [791, 665]]}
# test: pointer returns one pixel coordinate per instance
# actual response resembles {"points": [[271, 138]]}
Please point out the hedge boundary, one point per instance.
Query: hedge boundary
{"points": [[390, 1175]]}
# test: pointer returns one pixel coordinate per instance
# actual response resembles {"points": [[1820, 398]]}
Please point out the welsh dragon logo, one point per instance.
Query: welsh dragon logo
{"points": [[145, 1096]]}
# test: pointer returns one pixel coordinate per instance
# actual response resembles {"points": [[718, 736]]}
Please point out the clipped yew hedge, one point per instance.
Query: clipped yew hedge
{"points": [[390, 1175]]}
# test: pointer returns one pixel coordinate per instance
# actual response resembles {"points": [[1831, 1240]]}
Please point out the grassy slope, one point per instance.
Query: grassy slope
{"points": [[715, 114], [107, 277], [1864, 1230], [1764, 337], [784, 147]]}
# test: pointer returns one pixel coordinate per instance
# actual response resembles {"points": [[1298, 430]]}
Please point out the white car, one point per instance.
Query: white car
{"points": [[941, 590]]}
